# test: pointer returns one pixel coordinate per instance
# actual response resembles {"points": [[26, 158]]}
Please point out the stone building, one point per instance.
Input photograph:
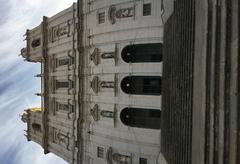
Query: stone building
{"points": [[101, 66], [201, 82]]}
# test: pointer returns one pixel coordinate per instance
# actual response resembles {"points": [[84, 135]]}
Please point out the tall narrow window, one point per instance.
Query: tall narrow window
{"points": [[147, 9], [62, 84], [101, 17], [142, 161], [64, 61], [64, 107], [100, 152], [141, 53], [141, 117], [142, 85]]}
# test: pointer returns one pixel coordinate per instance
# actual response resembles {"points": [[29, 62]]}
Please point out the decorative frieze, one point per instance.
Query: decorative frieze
{"points": [[61, 138], [115, 157], [58, 31], [118, 13]]}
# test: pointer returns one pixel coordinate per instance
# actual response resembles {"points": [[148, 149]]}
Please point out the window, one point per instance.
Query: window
{"points": [[63, 107], [141, 53], [62, 84], [142, 85], [142, 161], [65, 61], [101, 17], [147, 9], [36, 127], [100, 152], [36, 43], [141, 117], [108, 114]]}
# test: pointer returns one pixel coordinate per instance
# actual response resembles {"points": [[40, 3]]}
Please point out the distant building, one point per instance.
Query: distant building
{"points": [[101, 67]]}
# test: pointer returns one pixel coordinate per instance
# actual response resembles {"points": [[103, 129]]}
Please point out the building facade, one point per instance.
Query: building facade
{"points": [[101, 73], [201, 83]]}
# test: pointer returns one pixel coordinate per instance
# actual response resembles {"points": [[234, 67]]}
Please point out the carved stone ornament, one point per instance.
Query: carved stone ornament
{"points": [[107, 84], [108, 114], [121, 159], [95, 56], [108, 55], [95, 112], [57, 32], [62, 31], [124, 13], [61, 138], [24, 117], [113, 157], [95, 84], [109, 155], [114, 13]]}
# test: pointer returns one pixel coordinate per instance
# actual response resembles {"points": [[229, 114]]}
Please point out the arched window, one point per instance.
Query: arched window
{"points": [[141, 53], [36, 43], [141, 117], [36, 127], [142, 85]]}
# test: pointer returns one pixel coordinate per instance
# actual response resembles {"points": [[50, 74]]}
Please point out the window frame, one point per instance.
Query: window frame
{"points": [[57, 82], [147, 9], [101, 17], [100, 152], [141, 117], [143, 160], [142, 53], [36, 43], [142, 85], [67, 61]]}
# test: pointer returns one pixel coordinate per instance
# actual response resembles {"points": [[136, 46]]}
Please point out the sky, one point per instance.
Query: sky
{"points": [[17, 82]]}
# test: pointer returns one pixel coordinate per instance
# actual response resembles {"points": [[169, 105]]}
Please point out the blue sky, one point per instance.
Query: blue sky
{"points": [[17, 81]]}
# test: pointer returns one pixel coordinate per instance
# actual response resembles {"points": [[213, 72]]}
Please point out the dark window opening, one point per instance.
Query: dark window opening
{"points": [[62, 84], [64, 107], [62, 62], [142, 161], [147, 9], [141, 53], [36, 127], [100, 152], [101, 17], [142, 85], [36, 43], [141, 118]]}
